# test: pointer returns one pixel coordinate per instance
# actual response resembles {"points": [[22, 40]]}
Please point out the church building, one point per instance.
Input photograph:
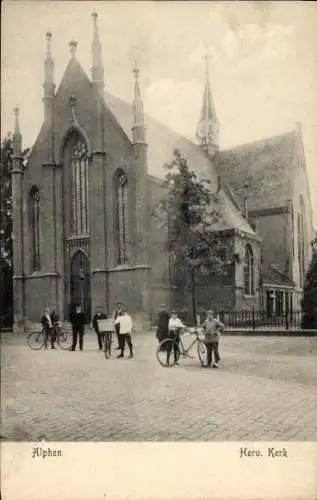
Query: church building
{"points": [[84, 228]]}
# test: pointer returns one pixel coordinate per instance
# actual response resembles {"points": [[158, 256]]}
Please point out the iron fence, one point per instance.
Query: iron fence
{"points": [[246, 320]]}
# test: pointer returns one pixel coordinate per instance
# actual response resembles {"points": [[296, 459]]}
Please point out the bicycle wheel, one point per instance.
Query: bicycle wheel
{"points": [[107, 346], [64, 340], [36, 340], [168, 353], [202, 351]]}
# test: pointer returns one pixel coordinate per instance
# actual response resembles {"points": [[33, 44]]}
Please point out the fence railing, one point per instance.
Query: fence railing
{"points": [[246, 320]]}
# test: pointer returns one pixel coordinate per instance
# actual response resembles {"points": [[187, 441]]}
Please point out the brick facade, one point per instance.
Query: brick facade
{"points": [[78, 110]]}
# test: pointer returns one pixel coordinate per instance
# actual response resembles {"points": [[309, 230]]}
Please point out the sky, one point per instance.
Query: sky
{"points": [[263, 65]]}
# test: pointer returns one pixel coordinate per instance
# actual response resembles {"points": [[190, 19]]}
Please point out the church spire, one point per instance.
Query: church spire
{"points": [[138, 129], [49, 86], [208, 125], [97, 71]]}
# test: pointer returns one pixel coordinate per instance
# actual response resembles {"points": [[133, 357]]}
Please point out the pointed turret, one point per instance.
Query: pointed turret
{"points": [[208, 125], [97, 71], [138, 129], [17, 176], [49, 86], [17, 142], [139, 146]]}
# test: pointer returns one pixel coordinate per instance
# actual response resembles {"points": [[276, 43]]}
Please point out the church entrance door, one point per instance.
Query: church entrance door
{"points": [[80, 292]]}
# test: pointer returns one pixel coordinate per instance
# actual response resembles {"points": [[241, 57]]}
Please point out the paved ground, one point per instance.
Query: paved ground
{"points": [[264, 390]]}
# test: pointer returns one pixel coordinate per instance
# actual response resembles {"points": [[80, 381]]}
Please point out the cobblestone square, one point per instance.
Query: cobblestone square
{"points": [[265, 389]]}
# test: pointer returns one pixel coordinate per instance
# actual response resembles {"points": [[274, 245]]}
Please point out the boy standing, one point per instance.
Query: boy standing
{"points": [[55, 321], [212, 328], [124, 321]]}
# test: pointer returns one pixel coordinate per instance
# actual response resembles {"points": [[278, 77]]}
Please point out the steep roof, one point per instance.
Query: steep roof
{"points": [[260, 170], [161, 143], [272, 276]]}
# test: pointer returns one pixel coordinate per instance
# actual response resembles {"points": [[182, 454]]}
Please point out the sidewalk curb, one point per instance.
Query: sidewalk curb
{"points": [[227, 333]]}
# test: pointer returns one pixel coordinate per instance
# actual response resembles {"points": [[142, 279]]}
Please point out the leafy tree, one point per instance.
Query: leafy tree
{"points": [[189, 211], [6, 288], [6, 248], [309, 301]]}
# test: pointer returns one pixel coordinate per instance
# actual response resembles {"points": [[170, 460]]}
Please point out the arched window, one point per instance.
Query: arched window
{"points": [[35, 228], [121, 186], [248, 271], [79, 183]]}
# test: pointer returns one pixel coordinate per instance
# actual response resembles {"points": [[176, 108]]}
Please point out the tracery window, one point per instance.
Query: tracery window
{"points": [[248, 271], [35, 227], [79, 182], [122, 217]]}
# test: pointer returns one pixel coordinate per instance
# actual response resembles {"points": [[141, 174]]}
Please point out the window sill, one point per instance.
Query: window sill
{"points": [[77, 237]]}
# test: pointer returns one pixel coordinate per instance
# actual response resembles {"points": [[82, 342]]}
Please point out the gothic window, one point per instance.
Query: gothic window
{"points": [[122, 216], [248, 271], [35, 227], [79, 183]]}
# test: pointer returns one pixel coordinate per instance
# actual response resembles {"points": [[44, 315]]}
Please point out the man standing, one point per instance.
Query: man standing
{"points": [[78, 321], [98, 315], [117, 325], [54, 319], [47, 326], [162, 324], [125, 323]]}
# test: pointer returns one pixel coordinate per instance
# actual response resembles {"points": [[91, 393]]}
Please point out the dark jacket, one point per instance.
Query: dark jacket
{"points": [[162, 323], [78, 320], [95, 319], [54, 317]]}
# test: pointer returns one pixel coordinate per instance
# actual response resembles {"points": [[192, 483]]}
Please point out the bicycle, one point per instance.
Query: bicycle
{"points": [[169, 350], [36, 340]]}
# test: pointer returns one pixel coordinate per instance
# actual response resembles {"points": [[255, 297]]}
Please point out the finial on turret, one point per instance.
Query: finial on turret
{"points": [[136, 70], [97, 72], [73, 46], [48, 43]]}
